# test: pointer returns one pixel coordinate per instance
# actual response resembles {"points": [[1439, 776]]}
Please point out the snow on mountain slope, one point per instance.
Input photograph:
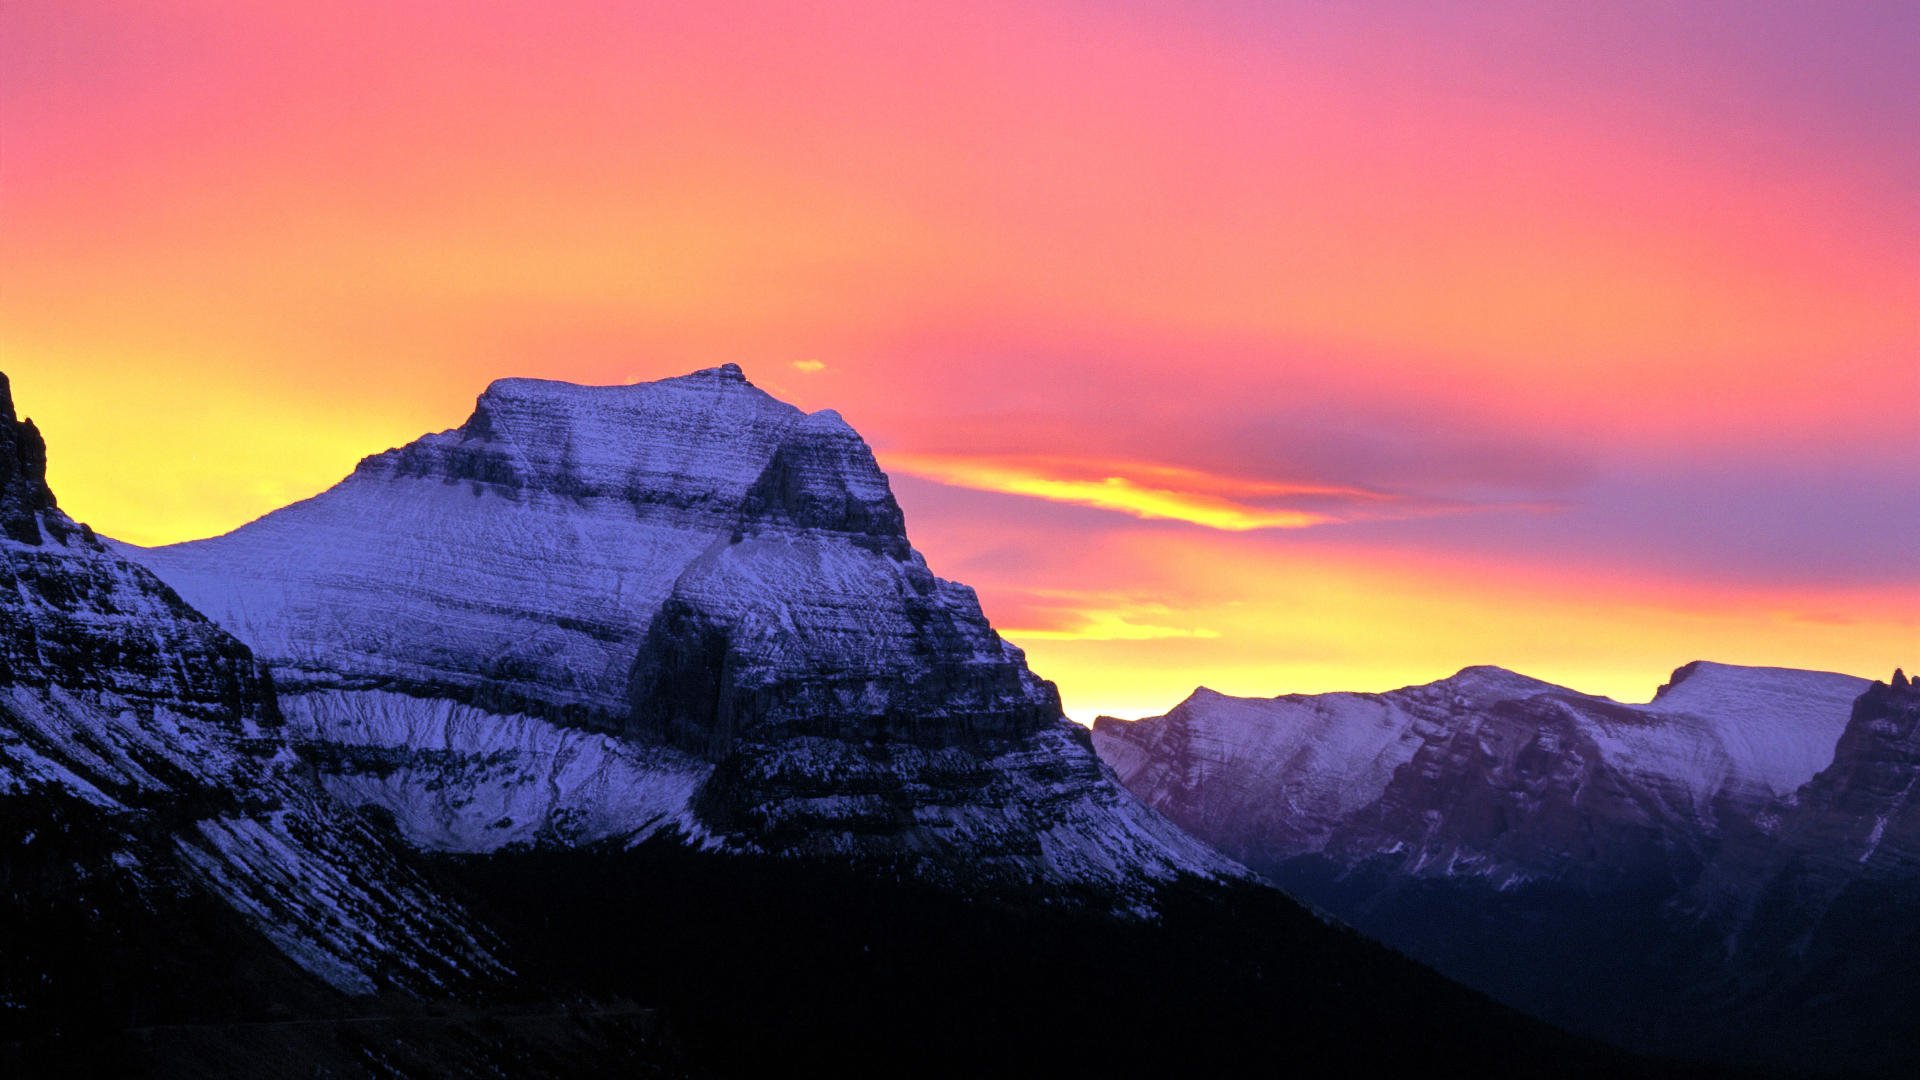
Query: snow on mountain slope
{"points": [[1857, 820], [1279, 774], [136, 732], [1776, 726], [521, 552], [1270, 779], [457, 778], [721, 587]]}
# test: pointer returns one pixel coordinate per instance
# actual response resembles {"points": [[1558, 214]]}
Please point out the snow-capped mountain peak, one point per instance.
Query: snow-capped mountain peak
{"points": [[717, 581]]}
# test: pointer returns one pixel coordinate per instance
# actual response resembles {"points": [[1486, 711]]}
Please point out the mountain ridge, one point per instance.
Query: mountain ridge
{"points": [[1671, 875], [691, 568], [227, 894]]}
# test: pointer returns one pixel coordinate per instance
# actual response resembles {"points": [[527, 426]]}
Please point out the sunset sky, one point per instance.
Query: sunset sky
{"points": [[1269, 346]]}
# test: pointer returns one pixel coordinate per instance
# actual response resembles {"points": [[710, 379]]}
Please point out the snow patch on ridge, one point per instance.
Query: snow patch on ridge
{"points": [[1776, 726], [299, 878], [461, 779]]}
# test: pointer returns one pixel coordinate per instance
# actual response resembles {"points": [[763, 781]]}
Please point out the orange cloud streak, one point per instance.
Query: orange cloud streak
{"points": [[1141, 490]]}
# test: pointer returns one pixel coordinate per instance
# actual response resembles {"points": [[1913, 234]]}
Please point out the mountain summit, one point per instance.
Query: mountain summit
{"points": [[681, 605]]}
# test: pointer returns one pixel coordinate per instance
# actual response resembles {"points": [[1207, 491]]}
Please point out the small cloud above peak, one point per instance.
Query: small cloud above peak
{"points": [[809, 366]]}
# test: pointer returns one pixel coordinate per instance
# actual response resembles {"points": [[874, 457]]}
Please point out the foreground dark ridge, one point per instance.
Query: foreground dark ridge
{"points": [[842, 974]]}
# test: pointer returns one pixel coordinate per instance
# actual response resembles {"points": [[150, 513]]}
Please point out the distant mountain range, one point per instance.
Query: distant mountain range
{"points": [[619, 731], [1727, 870]]}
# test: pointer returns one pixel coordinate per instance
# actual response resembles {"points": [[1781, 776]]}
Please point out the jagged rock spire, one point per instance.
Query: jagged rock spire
{"points": [[1899, 679], [23, 472]]}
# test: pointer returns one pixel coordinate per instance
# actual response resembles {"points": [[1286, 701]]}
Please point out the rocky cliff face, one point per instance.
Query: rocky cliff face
{"points": [[1860, 815], [815, 617], [23, 473], [1638, 871], [1777, 885], [718, 583], [150, 809], [1810, 904]]}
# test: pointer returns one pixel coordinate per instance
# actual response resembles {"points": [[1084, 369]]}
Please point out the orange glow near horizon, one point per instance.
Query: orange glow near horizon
{"points": [[1272, 347], [1317, 621]]}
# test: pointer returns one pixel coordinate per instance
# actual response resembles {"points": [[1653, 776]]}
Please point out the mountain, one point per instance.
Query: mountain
{"points": [[132, 725], [177, 892], [1269, 779], [1272, 779], [1814, 900], [1597, 863], [1858, 818], [652, 680], [592, 614]]}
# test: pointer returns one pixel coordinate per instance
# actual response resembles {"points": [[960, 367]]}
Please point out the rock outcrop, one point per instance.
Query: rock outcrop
{"points": [[24, 495]]}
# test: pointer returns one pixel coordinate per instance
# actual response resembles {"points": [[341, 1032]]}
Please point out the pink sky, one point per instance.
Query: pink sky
{"points": [[1270, 346]]}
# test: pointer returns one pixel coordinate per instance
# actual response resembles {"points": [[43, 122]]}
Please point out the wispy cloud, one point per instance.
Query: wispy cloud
{"points": [[1153, 491], [809, 367], [1108, 626], [1066, 615]]}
